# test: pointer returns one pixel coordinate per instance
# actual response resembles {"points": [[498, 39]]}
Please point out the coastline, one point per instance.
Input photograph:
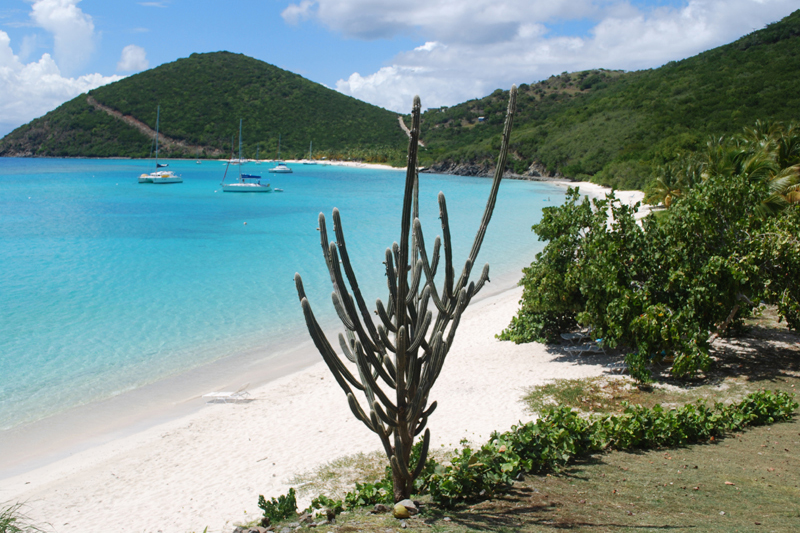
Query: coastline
{"points": [[179, 464], [207, 468]]}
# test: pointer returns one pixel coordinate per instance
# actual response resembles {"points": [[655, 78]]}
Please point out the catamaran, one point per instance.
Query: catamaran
{"points": [[246, 182], [160, 176], [281, 167]]}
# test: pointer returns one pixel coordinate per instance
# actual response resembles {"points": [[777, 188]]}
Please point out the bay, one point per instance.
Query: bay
{"points": [[107, 285]]}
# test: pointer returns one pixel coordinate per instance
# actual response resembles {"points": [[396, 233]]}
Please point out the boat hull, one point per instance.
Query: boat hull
{"points": [[170, 179], [245, 187]]}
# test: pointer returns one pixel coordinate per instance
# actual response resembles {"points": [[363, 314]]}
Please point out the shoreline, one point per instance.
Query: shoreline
{"points": [[177, 441], [207, 468]]}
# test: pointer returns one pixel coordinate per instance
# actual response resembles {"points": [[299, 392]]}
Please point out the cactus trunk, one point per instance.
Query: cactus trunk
{"points": [[395, 361]]}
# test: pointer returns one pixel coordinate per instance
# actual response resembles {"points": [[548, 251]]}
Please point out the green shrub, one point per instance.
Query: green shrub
{"points": [[276, 510], [554, 440], [561, 434]]}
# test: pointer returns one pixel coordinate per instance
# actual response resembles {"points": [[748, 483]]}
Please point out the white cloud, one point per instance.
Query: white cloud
{"points": [[475, 46], [31, 90], [72, 29], [295, 13], [133, 59]]}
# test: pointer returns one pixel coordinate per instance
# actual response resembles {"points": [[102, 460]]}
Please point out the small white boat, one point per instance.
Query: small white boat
{"points": [[246, 182], [198, 162], [280, 168], [160, 176], [277, 189]]}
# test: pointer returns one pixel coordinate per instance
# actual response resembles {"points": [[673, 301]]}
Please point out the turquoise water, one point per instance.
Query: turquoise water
{"points": [[107, 285]]}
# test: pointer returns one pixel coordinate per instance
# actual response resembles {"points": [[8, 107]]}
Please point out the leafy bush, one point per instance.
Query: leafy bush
{"points": [[276, 510], [662, 288]]}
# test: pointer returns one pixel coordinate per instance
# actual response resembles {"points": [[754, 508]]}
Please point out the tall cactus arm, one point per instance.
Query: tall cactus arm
{"points": [[339, 371], [389, 421], [423, 454], [498, 176], [482, 280], [349, 306], [384, 316], [346, 349], [390, 368], [460, 306], [447, 294], [437, 246], [369, 381], [385, 339], [421, 331], [351, 277], [337, 304], [429, 281], [405, 225], [416, 274], [359, 413], [391, 278], [323, 238]]}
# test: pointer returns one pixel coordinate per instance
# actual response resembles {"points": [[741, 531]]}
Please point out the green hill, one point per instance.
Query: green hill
{"points": [[614, 127], [202, 98]]}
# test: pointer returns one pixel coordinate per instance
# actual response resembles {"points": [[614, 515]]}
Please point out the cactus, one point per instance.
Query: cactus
{"points": [[397, 360]]}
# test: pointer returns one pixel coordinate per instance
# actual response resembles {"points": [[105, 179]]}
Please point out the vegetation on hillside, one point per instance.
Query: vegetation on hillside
{"points": [[202, 98], [724, 247], [615, 128]]}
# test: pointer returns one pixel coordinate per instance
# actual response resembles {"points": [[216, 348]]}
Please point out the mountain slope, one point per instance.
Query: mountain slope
{"points": [[614, 127], [202, 98]]}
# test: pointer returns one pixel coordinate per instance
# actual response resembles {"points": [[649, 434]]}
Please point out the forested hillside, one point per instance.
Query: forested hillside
{"points": [[202, 98], [613, 127]]}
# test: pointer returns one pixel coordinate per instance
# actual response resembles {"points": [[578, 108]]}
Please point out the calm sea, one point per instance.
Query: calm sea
{"points": [[107, 285]]}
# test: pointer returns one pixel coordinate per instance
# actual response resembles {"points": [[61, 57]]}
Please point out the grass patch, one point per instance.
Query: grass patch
{"points": [[13, 520], [605, 394], [337, 477]]}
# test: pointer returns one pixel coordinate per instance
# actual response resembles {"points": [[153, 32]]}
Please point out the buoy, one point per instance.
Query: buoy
{"points": [[245, 223]]}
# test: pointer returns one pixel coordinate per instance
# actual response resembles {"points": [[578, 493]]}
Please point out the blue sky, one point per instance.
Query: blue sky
{"points": [[381, 51]]}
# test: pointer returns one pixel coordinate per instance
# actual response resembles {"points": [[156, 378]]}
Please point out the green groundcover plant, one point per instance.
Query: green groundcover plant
{"points": [[555, 439]]}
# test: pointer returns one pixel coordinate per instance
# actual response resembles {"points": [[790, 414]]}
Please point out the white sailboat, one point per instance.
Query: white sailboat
{"points": [[246, 182], [281, 167], [310, 156], [160, 176]]}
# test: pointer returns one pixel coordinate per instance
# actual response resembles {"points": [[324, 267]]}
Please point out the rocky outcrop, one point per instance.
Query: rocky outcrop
{"points": [[536, 172]]}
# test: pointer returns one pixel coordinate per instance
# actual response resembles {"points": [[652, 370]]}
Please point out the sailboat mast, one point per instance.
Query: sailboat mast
{"points": [[310, 154], [158, 115], [279, 147], [240, 141]]}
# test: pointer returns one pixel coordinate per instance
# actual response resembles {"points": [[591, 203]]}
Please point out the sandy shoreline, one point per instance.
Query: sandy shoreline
{"points": [[208, 468], [207, 465]]}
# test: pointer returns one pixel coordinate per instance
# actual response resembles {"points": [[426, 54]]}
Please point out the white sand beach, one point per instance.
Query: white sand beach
{"points": [[207, 468]]}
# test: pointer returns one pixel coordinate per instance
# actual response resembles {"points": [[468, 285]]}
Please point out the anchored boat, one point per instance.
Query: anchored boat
{"points": [[246, 182]]}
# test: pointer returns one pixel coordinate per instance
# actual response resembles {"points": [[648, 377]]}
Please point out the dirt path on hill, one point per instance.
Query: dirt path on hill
{"points": [[408, 131], [165, 140]]}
